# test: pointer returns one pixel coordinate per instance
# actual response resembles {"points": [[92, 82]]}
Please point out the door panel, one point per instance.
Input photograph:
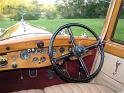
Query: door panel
{"points": [[108, 77]]}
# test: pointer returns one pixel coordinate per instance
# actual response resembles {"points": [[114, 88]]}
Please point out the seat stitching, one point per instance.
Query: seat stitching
{"points": [[54, 89], [89, 88], [62, 88], [77, 85], [80, 88], [71, 88], [99, 89]]}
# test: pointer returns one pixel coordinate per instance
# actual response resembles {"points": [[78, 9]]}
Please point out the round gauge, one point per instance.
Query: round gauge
{"points": [[35, 60], [24, 55], [3, 62], [62, 50], [43, 59], [43, 51]]}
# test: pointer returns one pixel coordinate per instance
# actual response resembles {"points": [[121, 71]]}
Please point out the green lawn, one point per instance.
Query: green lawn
{"points": [[52, 25], [6, 24]]}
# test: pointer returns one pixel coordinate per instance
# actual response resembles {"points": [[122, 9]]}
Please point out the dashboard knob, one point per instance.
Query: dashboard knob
{"points": [[62, 50], [14, 65], [40, 44]]}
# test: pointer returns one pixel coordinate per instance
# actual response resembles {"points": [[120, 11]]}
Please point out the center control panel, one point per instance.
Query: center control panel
{"points": [[31, 58]]}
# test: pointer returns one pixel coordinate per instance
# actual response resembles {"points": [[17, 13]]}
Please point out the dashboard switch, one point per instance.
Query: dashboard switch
{"points": [[14, 65]]}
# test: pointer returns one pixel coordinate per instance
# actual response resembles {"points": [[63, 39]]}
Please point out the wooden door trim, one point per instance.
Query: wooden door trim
{"points": [[114, 49]]}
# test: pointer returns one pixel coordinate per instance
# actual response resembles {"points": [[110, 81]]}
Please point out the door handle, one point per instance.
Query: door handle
{"points": [[118, 63]]}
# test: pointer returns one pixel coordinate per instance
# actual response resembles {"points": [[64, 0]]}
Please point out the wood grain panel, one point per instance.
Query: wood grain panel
{"points": [[13, 45], [115, 49], [12, 49], [112, 24], [14, 58]]}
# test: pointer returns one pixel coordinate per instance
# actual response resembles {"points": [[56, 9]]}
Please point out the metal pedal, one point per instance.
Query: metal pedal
{"points": [[32, 73]]}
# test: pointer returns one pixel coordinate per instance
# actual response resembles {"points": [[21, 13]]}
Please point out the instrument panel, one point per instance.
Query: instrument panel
{"points": [[33, 53], [31, 58]]}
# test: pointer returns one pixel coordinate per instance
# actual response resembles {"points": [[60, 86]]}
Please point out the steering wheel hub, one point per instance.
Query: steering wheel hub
{"points": [[79, 51]]}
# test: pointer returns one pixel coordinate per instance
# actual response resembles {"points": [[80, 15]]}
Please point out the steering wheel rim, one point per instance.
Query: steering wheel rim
{"points": [[59, 70]]}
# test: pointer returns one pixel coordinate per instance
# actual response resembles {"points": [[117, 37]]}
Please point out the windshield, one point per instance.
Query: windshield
{"points": [[30, 18]]}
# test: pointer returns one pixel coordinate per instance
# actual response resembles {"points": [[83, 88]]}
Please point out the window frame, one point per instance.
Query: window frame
{"points": [[108, 29], [116, 24]]}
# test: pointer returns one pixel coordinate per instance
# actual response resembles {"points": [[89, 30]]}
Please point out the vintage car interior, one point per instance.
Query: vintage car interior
{"points": [[57, 63]]}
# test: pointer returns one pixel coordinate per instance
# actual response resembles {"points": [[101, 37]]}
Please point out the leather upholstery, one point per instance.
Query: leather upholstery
{"points": [[30, 91], [71, 88], [77, 88]]}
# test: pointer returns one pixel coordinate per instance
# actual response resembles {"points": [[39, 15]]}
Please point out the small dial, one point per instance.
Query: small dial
{"points": [[62, 50], [43, 59], [35, 60], [24, 55]]}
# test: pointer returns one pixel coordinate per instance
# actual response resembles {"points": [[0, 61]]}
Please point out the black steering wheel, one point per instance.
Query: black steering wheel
{"points": [[77, 50]]}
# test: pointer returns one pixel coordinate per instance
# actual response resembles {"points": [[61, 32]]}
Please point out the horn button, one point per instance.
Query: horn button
{"points": [[79, 51]]}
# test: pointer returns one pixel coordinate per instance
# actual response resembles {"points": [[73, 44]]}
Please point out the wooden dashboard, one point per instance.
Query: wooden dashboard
{"points": [[24, 53]]}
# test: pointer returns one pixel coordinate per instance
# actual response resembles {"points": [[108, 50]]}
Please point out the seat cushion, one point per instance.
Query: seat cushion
{"points": [[30, 91], [77, 88]]}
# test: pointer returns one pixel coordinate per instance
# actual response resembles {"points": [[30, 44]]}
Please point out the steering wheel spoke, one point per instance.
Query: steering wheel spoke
{"points": [[90, 47], [54, 60], [71, 36], [84, 67]]}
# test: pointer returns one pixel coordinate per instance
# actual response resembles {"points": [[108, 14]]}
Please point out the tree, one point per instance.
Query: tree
{"points": [[14, 8], [82, 8]]}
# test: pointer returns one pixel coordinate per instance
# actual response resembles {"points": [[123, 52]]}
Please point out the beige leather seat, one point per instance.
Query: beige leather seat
{"points": [[71, 88], [77, 88], [30, 91]]}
